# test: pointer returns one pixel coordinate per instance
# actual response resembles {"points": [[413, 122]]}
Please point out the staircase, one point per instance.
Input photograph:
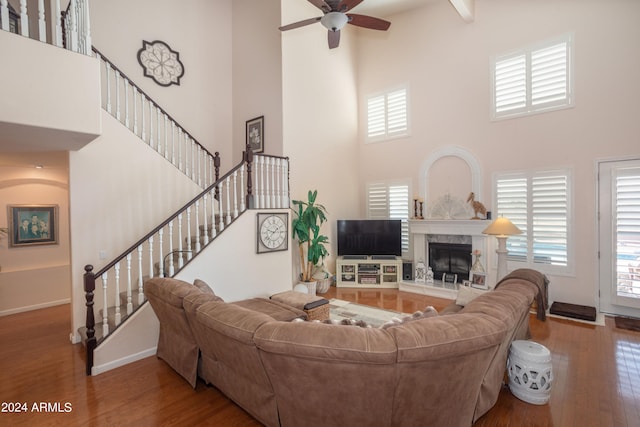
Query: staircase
{"points": [[114, 293], [258, 181]]}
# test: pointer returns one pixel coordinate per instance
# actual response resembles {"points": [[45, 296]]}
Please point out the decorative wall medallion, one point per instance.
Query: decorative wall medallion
{"points": [[160, 63]]}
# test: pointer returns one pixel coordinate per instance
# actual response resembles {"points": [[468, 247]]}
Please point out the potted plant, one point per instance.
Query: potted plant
{"points": [[309, 216]]}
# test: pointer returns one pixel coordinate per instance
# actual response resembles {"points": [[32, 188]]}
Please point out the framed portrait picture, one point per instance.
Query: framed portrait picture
{"points": [[479, 280], [255, 134], [33, 225]]}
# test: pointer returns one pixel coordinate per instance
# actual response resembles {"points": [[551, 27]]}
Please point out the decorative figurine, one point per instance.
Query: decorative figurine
{"points": [[477, 207]]}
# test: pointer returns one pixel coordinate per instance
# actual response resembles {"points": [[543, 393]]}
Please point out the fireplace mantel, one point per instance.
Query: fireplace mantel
{"points": [[420, 228]]}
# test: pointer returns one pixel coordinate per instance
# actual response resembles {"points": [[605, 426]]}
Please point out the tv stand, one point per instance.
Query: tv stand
{"points": [[368, 272]]}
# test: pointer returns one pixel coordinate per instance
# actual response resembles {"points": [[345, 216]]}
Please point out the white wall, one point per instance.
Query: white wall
{"points": [[200, 30], [67, 117], [34, 276], [120, 189], [446, 63], [320, 117], [257, 72]]}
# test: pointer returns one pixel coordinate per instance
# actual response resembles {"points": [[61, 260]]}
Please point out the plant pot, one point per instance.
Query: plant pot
{"points": [[322, 286]]}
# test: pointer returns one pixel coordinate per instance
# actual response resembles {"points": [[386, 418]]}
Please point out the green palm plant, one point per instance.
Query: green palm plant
{"points": [[309, 216]]}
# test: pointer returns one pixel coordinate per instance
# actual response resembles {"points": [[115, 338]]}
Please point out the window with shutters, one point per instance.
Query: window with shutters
{"points": [[390, 201], [539, 204], [387, 115], [533, 80]]}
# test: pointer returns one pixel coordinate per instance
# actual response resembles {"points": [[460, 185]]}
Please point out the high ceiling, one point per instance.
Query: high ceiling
{"points": [[384, 8]]}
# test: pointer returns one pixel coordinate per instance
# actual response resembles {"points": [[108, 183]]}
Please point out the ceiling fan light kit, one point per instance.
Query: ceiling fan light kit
{"points": [[336, 17], [334, 21]]}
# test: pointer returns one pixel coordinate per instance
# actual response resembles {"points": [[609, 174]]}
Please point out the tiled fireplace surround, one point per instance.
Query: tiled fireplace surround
{"points": [[447, 230]]}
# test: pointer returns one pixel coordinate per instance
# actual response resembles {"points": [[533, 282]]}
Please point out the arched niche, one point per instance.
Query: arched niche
{"points": [[474, 174]]}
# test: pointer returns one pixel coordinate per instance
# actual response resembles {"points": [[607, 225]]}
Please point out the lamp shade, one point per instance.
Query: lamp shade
{"points": [[502, 227], [334, 21]]}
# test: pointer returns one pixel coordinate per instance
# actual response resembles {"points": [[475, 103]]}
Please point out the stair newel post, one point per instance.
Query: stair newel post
{"points": [[248, 158], [216, 167], [89, 287], [105, 305], [213, 213]]}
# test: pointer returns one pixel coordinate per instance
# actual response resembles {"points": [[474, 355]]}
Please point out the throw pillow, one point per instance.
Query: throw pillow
{"points": [[202, 285], [429, 311], [466, 294]]}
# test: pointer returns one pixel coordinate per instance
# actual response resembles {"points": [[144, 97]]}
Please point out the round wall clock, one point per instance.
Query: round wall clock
{"points": [[273, 232]]}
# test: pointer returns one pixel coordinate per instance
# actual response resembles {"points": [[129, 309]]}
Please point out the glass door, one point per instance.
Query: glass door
{"points": [[619, 237]]}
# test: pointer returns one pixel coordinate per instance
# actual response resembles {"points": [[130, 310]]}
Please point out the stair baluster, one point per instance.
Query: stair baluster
{"points": [[180, 260], [235, 194], [105, 304], [118, 315], [140, 276], [205, 225], [190, 253], [129, 285], [160, 257], [170, 253]]}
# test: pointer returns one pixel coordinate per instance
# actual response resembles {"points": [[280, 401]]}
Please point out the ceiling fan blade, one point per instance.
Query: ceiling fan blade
{"points": [[321, 4], [300, 24], [368, 22], [334, 39], [347, 5]]}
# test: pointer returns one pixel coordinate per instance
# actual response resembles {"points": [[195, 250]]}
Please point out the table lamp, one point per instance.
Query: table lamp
{"points": [[502, 228]]}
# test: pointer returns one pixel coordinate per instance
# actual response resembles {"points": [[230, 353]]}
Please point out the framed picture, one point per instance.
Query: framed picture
{"points": [[466, 283], [255, 134], [33, 225], [478, 280]]}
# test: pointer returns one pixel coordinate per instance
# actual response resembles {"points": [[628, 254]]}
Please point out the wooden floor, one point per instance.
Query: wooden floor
{"points": [[596, 368]]}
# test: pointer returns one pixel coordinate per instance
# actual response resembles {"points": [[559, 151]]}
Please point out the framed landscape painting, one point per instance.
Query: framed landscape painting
{"points": [[33, 225]]}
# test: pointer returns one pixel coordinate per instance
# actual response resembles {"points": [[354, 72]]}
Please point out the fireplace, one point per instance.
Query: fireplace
{"points": [[425, 233], [450, 261]]}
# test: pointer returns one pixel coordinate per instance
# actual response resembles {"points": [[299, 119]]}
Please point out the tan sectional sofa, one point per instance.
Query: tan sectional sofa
{"points": [[445, 370]]}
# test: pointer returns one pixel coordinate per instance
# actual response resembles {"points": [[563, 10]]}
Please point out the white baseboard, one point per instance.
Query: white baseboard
{"points": [[97, 370], [34, 307]]}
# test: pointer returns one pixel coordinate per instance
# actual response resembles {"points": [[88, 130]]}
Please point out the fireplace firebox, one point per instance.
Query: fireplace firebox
{"points": [[450, 259]]}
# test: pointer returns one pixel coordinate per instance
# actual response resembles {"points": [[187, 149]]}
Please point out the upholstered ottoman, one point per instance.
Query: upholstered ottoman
{"points": [[317, 308]]}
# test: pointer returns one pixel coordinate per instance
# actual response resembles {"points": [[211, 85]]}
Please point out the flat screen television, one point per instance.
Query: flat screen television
{"points": [[370, 237]]}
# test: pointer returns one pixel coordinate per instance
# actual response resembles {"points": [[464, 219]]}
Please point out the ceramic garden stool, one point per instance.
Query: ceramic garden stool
{"points": [[530, 372]]}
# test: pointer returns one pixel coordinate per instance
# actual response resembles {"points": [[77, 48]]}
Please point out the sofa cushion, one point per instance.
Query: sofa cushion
{"points": [[171, 291], [204, 287], [466, 294], [429, 311]]}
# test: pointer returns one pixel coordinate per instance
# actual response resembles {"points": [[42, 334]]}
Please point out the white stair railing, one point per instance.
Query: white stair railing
{"points": [[169, 247], [77, 32], [132, 107]]}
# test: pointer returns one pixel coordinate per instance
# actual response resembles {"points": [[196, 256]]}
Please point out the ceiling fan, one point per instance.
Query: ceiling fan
{"points": [[336, 17]]}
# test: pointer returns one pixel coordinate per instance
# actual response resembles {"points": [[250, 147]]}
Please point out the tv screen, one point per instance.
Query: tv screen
{"points": [[370, 237]]}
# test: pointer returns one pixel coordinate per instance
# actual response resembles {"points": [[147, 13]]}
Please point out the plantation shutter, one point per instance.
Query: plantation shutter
{"points": [[538, 204], [533, 79], [627, 215], [549, 78], [512, 203], [511, 84], [550, 209], [397, 112], [377, 202], [387, 115], [376, 117]]}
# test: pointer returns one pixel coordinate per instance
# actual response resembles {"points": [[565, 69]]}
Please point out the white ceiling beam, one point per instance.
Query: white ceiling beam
{"points": [[465, 9]]}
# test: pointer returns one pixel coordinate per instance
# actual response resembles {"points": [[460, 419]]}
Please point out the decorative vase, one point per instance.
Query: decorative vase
{"points": [[477, 265]]}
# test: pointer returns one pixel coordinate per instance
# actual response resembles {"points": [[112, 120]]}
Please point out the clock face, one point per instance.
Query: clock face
{"points": [[272, 232]]}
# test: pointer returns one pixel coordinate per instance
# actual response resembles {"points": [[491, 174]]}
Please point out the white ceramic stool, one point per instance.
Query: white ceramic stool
{"points": [[530, 372]]}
